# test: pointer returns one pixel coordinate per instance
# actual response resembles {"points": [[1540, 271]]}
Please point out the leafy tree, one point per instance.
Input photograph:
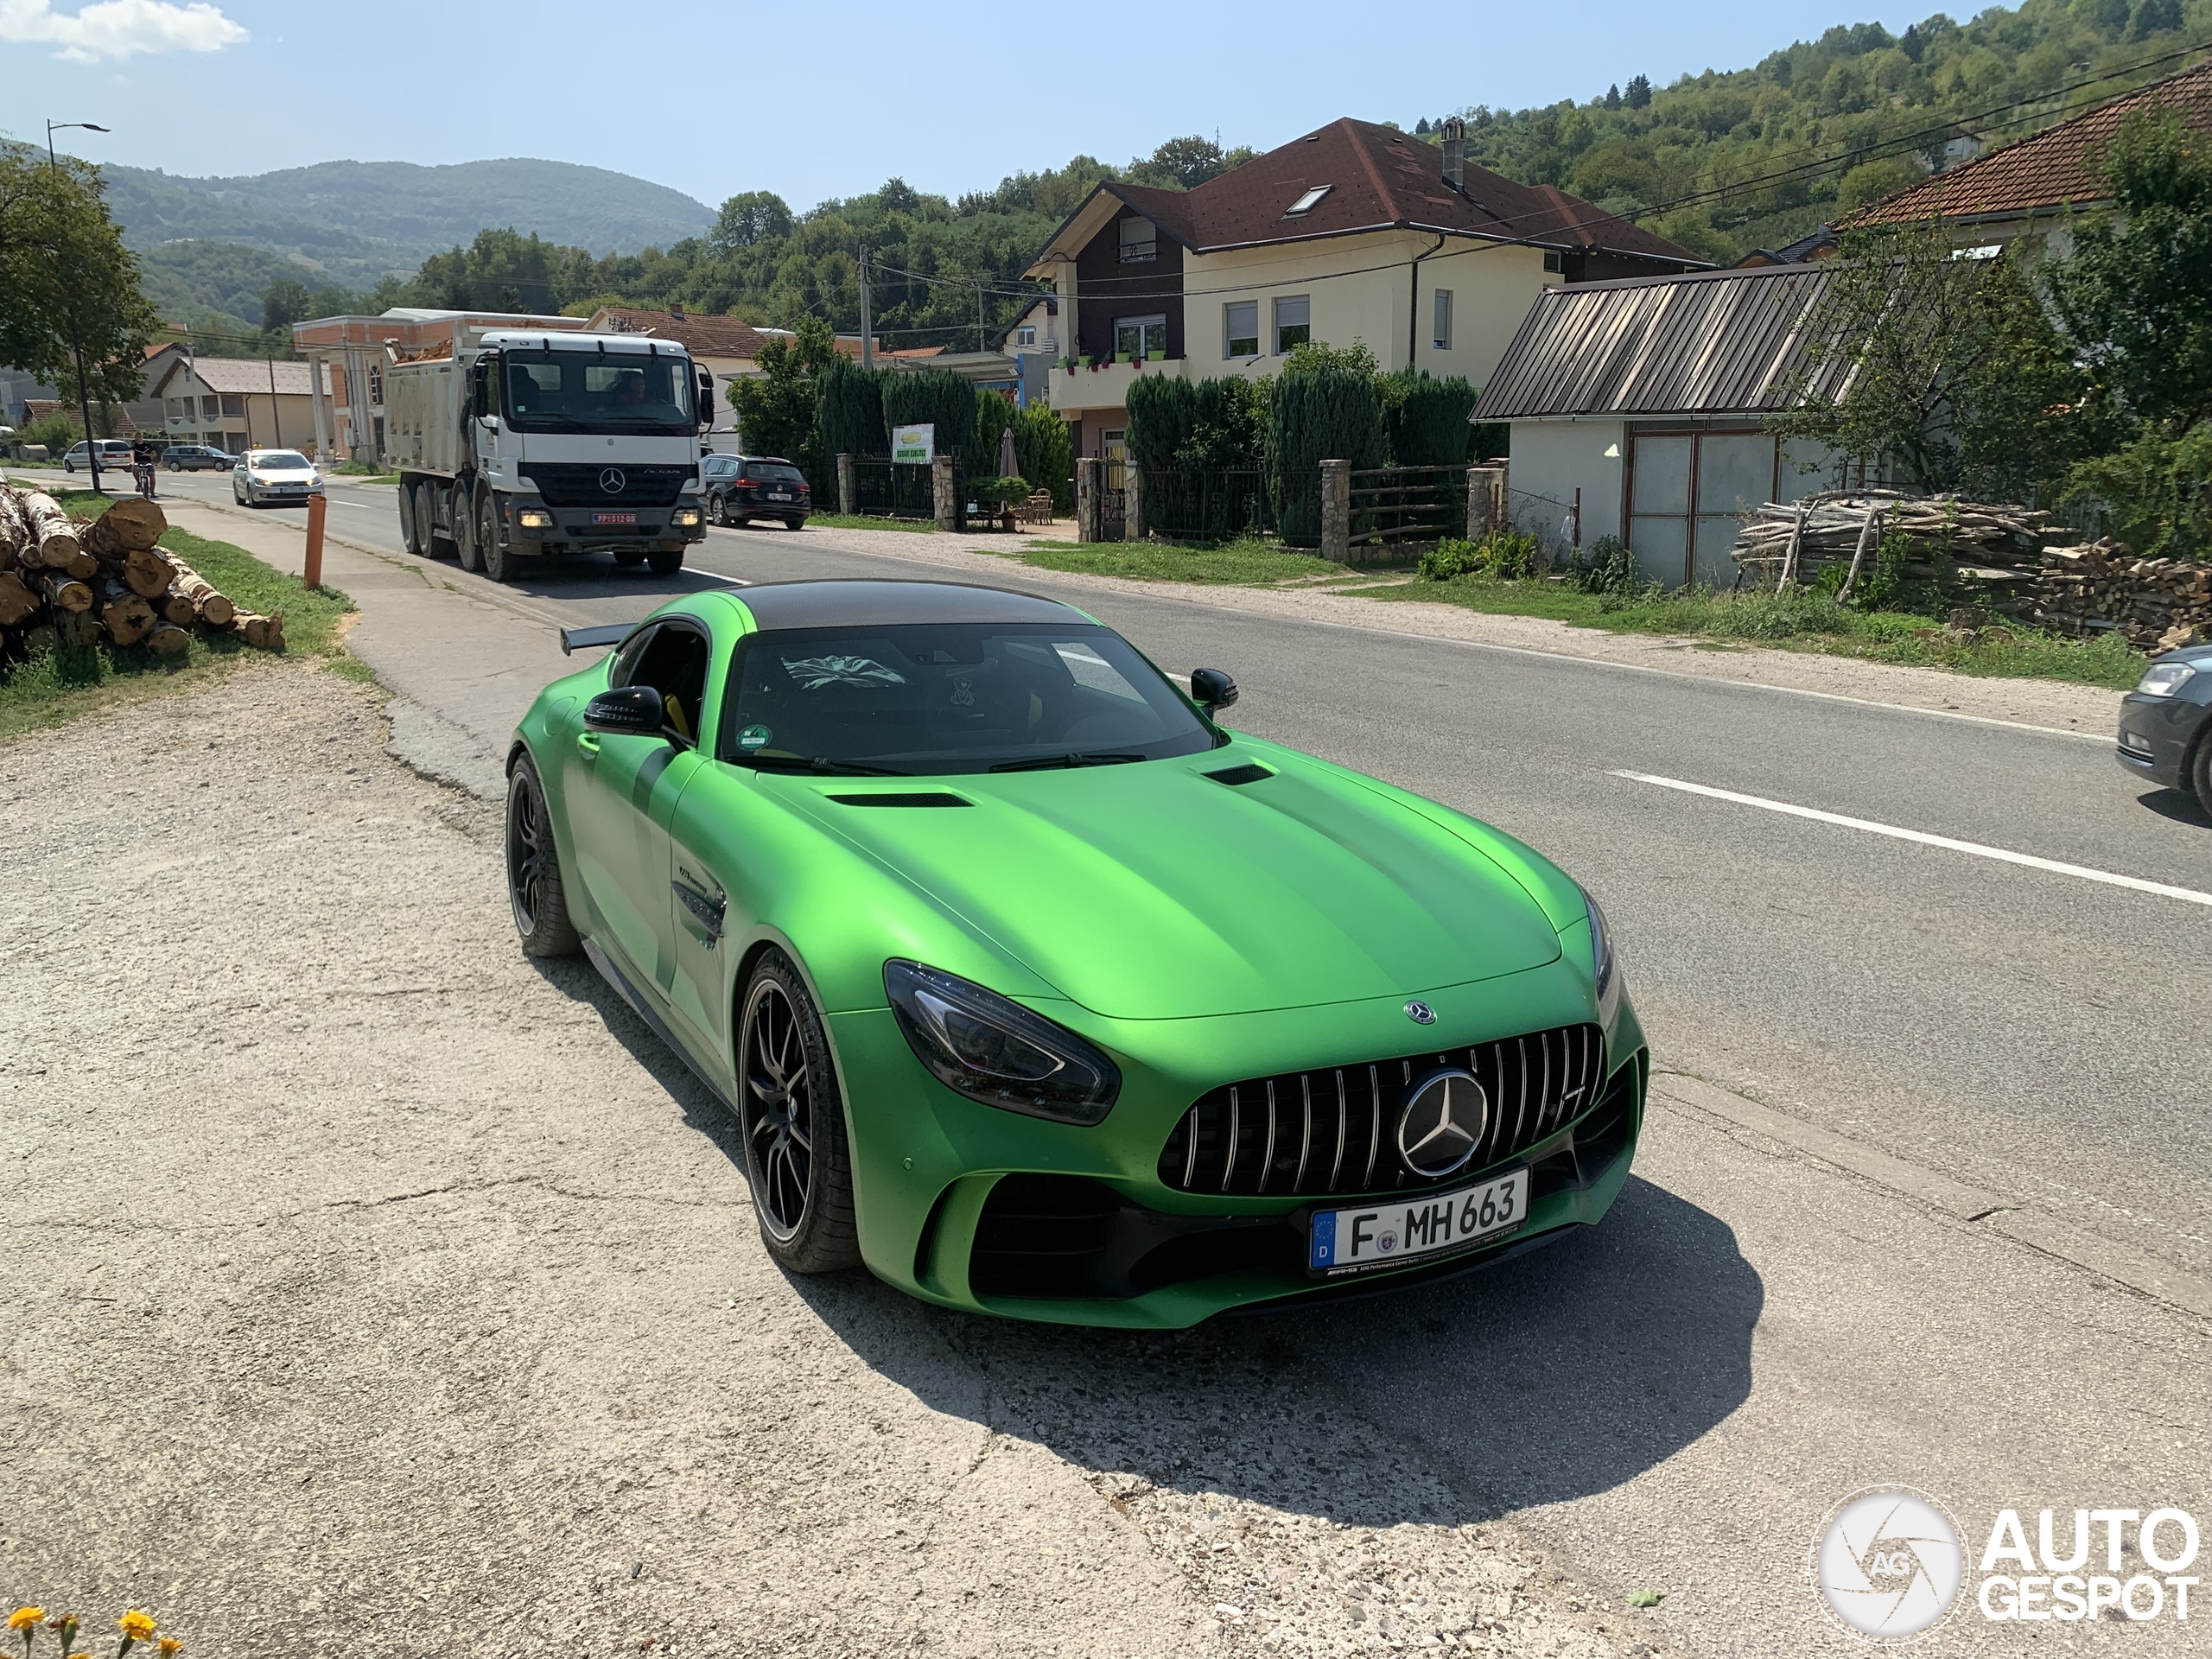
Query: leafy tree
{"points": [[1425, 418], [1324, 407], [62, 264], [2157, 489], [1045, 453], [1958, 378], [1639, 92], [775, 409], [748, 221], [2136, 295], [938, 397], [848, 408], [285, 301]]}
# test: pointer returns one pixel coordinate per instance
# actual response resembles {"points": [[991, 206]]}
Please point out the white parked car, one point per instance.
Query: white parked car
{"points": [[266, 475], [114, 453]]}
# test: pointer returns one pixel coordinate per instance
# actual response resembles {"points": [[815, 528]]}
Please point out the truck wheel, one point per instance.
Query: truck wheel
{"points": [[464, 531], [665, 562], [629, 556], [433, 545], [410, 535], [499, 560]]}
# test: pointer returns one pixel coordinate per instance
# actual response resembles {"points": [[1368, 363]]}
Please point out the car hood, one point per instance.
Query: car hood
{"points": [[1152, 891]]}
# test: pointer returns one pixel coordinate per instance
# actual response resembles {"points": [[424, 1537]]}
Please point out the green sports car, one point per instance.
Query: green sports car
{"points": [[1041, 994]]}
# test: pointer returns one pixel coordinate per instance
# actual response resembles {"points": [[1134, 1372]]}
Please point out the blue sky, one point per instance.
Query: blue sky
{"points": [[810, 101]]}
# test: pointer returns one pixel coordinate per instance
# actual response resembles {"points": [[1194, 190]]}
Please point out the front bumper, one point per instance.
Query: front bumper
{"points": [[996, 1213], [2157, 735], [534, 526]]}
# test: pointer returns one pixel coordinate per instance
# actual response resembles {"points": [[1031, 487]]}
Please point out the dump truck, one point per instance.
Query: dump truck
{"points": [[516, 445]]}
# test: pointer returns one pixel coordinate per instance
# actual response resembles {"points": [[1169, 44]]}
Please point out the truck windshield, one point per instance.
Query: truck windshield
{"points": [[580, 392]]}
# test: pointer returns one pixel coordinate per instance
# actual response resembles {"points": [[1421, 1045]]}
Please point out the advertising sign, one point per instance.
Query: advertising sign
{"points": [[913, 444]]}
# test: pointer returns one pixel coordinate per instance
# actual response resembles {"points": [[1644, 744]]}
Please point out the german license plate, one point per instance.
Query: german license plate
{"points": [[779, 495], [1406, 1230], [614, 518]]}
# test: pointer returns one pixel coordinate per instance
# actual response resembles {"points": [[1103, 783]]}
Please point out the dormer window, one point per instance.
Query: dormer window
{"points": [[1307, 203], [1140, 241]]}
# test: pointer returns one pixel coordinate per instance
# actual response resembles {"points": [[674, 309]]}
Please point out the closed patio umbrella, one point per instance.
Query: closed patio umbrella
{"points": [[1008, 467]]}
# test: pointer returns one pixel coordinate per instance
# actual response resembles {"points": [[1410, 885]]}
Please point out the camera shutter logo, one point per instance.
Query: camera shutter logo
{"points": [[1888, 1563], [612, 480]]}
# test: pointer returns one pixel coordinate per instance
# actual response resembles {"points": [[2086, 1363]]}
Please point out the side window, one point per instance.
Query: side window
{"points": [[675, 665], [626, 655]]}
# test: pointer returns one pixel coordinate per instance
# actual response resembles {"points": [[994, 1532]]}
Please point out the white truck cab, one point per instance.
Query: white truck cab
{"points": [[519, 445]]}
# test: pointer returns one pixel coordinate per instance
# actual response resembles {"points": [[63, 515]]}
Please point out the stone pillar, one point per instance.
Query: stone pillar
{"points": [[1089, 487], [1132, 502], [317, 368], [1485, 500], [1336, 512], [944, 489], [848, 492]]}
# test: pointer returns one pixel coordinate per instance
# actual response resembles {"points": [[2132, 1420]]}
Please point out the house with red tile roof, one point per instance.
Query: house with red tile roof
{"points": [[1354, 232]]}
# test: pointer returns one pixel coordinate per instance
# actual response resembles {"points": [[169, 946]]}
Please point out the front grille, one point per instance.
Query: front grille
{"points": [[1334, 1131], [576, 484]]}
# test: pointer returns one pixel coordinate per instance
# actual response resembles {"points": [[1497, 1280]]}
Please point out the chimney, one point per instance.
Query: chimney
{"points": [[675, 311], [1455, 153]]}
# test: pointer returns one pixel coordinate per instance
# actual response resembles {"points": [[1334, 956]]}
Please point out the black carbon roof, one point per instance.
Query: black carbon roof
{"points": [[888, 604]]}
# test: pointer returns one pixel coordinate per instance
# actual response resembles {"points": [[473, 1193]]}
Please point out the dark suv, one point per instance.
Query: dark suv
{"points": [[741, 488], [196, 458]]}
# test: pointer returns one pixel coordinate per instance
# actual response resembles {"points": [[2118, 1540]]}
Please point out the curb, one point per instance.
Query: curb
{"points": [[2123, 1264]]}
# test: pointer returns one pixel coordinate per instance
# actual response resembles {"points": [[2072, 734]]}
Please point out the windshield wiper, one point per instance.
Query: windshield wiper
{"points": [[1047, 762], [821, 763]]}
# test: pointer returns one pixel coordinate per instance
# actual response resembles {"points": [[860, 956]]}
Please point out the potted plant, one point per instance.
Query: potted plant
{"points": [[1120, 357], [1155, 356]]}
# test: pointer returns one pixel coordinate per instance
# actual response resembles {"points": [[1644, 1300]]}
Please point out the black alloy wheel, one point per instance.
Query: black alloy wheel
{"points": [[534, 887], [794, 1125], [498, 558]]}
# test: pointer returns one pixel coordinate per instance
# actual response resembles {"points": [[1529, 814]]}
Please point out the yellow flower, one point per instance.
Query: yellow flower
{"points": [[23, 1618], [169, 1646], [136, 1625]]}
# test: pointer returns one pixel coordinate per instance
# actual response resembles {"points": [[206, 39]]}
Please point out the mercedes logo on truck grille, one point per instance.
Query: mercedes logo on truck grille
{"points": [[611, 480], [1442, 1124]]}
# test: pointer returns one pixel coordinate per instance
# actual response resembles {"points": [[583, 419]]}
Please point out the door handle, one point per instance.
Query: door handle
{"points": [[702, 916], [588, 745]]}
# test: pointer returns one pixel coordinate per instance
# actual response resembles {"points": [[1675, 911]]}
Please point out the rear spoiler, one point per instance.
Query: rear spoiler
{"points": [[607, 633]]}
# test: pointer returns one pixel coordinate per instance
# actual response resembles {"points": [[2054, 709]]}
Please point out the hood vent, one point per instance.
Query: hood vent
{"points": [[912, 797], [1244, 774]]}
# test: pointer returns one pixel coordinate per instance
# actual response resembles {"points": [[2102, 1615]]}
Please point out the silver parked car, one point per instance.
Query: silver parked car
{"points": [[280, 475]]}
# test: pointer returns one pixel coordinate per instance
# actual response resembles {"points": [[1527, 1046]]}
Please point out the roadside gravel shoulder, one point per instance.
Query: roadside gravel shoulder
{"points": [[2034, 702], [372, 1287]]}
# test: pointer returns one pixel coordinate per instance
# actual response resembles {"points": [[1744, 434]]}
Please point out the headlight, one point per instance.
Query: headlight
{"points": [[1601, 947], [531, 518], [2164, 679], [978, 1044], [687, 516]]}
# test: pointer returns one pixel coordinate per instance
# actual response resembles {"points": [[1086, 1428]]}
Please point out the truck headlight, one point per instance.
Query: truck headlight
{"points": [[687, 517], [534, 518]]}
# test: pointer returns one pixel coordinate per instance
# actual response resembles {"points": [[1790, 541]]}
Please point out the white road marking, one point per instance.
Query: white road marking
{"points": [[716, 576], [2080, 872]]}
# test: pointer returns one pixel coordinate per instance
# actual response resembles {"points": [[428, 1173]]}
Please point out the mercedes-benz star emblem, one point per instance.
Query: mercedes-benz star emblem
{"points": [[1442, 1124], [1421, 1013], [611, 480]]}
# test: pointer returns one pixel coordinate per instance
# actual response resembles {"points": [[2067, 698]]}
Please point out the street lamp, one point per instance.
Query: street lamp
{"points": [[76, 341]]}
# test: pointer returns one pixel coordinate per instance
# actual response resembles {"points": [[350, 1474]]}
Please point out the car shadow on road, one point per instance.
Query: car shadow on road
{"points": [[2178, 804], [1549, 1376]]}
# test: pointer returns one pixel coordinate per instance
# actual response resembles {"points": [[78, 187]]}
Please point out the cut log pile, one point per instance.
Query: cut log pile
{"points": [[2006, 560], [72, 582]]}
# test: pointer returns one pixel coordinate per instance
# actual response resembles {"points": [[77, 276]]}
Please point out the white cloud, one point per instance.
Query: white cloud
{"points": [[118, 29]]}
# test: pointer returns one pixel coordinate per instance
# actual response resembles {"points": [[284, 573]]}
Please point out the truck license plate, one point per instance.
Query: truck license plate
{"points": [[614, 518], [1386, 1234]]}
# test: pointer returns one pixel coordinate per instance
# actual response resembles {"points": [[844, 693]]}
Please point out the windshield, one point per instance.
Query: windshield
{"points": [[281, 460], [952, 697], [577, 391]]}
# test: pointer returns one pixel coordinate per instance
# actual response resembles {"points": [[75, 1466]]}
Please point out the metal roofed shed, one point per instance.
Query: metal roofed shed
{"points": [[1637, 411]]}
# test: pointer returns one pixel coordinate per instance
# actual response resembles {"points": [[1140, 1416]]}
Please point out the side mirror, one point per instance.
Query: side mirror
{"points": [[626, 711], [706, 398], [1210, 689]]}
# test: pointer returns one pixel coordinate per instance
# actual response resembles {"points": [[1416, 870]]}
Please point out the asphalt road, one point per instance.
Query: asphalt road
{"points": [[1680, 1394]]}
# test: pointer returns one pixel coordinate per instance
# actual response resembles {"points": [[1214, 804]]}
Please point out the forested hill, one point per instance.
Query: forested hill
{"points": [[1849, 104]]}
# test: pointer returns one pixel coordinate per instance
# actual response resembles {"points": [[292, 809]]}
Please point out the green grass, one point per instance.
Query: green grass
{"points": [[854, 521], [64, 683], [1250, 562], [1803, 620]]}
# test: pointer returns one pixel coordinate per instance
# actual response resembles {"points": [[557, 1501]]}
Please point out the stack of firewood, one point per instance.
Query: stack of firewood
{"points": [[1989, 558], [64, 581]]}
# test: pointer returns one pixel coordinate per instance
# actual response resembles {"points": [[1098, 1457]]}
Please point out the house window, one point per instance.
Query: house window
{"points": [[1025, 336], [1294, 323], [1307, 203], [1443, 318], [233, 406], [210, 410], [1240, 327], [1138, 338], [1551, 259], [1140, 241], [375, 385]]}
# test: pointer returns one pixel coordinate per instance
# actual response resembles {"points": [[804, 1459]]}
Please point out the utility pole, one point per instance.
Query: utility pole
{"points": [[979, 318], [76, 340], [276, 410], [868, 318]]}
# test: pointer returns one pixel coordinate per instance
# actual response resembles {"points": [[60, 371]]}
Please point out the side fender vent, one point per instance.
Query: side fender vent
{"points": [[1244, 774], [912, 798]]}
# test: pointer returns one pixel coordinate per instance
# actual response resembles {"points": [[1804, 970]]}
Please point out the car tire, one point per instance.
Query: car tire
{"points": [[794, 523], [793, 1120], [665, 564], [2199, 769], [499, 563], [464, 532], [718, 509], [534, 889], [410, 527]]}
